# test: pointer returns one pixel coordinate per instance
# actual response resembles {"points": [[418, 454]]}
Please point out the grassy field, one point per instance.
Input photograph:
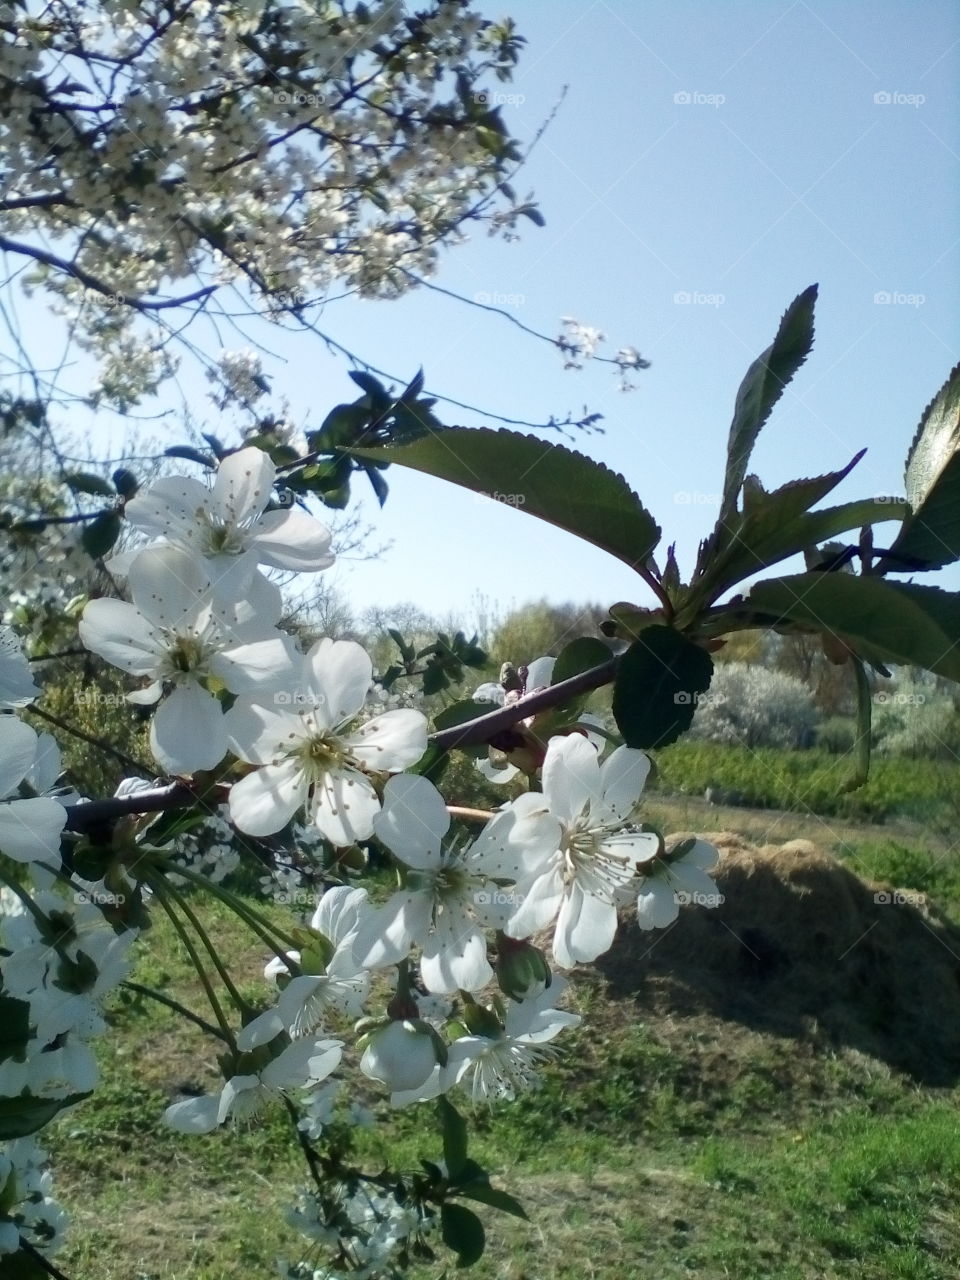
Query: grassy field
{"points": [[666, 1142]]}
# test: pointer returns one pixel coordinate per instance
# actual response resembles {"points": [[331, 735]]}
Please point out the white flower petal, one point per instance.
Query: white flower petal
{"points": [[264, 801], [187, 731], [571, 776], [413, 821], [388, 742], [339, 673], [293, 540], [344, 807]]}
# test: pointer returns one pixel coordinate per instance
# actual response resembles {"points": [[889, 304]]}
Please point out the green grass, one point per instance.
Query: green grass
{"points": [[671, 1146], [812, 781]]}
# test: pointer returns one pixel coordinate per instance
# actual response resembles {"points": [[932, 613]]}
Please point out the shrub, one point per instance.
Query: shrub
{"points": [[753, 707]]}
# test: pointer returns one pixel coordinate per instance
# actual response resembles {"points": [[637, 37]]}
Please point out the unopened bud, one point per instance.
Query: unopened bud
{"points": [[522, 970]]}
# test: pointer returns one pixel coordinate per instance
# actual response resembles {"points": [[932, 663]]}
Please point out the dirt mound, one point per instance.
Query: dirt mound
{"points": [[802, 947]]}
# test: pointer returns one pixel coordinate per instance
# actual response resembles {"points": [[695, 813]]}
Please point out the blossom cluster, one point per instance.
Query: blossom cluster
{"points": [[306, 743], [269, 146]]}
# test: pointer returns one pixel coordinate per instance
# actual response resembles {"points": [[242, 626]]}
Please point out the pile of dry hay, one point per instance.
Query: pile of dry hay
{"points": [[803, 947]]}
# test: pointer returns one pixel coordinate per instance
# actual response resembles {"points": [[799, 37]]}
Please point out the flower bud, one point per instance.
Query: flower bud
{"points": [[400, 1055], [521, 968]]}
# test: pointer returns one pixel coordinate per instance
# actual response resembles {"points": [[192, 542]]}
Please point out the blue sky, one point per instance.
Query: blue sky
{"points": [[708, 162]]}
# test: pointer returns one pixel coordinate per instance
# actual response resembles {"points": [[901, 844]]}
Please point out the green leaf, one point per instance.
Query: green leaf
{"points": [[14, 1027], [100, 534], [540, 478], [579, 655], [432, 764], [454, 1137], [87, 482], [764, 526], [889, 622], [192, 455], [932, 532], [821, 526], [462, 1232], [461, 712], [125, 482], [861, 768], [659, 680], [377, 483], [474, 1183], [25, 1114], [760, 390]]}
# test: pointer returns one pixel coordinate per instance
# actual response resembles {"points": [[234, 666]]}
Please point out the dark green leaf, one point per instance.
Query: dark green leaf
{"points": [[191, 454], [494, 1197], [658, 684], [462, 1232], [889, 622], [87, 482], [24, 1115], [454, 1137], [579, 655], [434, 679], [377, 483], [100, 534], [216, 444], [432, 763], [540, 478], [14, 1027], [414, 388], [126, 482], [761, 389], [932, 532], [861, 769]]}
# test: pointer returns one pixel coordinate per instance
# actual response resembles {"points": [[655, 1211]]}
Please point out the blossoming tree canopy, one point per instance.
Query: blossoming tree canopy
{"points": [[153, 158]]}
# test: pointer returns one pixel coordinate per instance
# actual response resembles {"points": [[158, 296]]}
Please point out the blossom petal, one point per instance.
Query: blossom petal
{"points": [[345, 806], [264, 801], [187, 731], [338, 674], [292, 540], [119, 633], [540, 900], [242, 487], [413, 821], [18, 751], [571, 776], [170, 586], [30, 829], [585, 929], [391, 741], [622, 779]]}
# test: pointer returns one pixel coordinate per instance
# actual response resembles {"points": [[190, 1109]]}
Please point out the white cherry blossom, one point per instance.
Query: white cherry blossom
{"points": [[310, 749], [227, 525], [449, 894], [29, 827], [667, 882], [598, 852], [176, 636]]}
